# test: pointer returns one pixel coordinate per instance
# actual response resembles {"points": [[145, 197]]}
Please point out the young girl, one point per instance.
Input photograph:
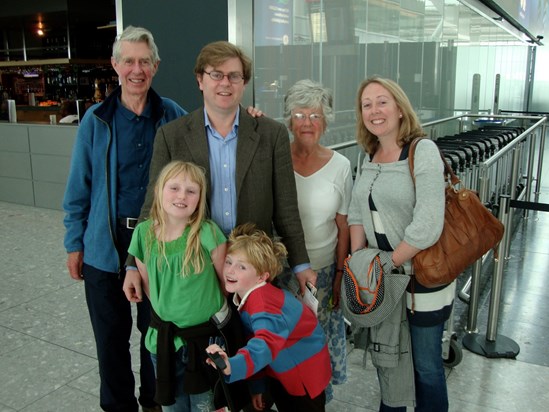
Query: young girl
{"points": [[178, 254], [286, 341]]}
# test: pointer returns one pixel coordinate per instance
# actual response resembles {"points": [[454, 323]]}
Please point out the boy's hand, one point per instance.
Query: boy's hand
{"points": [[215, 349]]}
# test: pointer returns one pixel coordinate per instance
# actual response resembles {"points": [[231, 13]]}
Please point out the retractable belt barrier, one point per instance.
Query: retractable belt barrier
{"points": [[519, 204]]}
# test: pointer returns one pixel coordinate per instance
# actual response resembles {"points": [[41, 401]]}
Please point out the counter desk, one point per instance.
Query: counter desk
{"points": [[37, 114], [35, 162]]}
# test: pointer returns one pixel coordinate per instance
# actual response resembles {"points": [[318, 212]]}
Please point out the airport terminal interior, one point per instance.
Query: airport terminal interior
{"points": [[476, 74], [47, 352]]}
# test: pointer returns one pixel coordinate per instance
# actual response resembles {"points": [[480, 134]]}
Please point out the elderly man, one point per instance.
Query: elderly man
{"points": [[105, 190]]}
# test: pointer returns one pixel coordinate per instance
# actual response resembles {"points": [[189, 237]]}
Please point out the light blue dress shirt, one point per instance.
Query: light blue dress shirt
{"points": [[222, 156]]}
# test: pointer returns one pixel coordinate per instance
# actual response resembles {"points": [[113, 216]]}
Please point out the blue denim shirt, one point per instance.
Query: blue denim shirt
{"points": [[134, 157]]}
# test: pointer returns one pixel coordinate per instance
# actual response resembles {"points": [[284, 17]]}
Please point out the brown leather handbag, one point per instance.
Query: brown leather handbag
{"points": [[470, 230]]}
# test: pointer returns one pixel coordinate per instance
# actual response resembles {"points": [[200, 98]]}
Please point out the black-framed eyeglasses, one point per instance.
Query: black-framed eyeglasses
{"points": [[313, 117], [234, 77]]}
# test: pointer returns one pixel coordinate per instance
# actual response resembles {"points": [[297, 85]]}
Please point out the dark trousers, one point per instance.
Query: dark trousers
{"points": [[289, 403], [111, 319]]}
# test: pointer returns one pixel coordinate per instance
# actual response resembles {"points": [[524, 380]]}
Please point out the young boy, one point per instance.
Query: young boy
{"points": [[286, 342]]}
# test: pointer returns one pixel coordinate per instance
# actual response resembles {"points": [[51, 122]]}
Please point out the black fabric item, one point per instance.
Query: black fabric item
{"points": [[290, 403], [231, 330], [199, 377], [236, 395]]}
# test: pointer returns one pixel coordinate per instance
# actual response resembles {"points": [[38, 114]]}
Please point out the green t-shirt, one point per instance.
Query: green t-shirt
{"points": [[185, 301]]}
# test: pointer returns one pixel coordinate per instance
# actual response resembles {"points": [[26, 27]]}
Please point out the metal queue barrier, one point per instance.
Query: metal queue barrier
{"points": [[504, 177], [496, 159]]}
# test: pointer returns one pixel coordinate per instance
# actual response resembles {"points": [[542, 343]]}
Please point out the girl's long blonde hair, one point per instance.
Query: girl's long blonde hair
{"points": [[193, 258]]}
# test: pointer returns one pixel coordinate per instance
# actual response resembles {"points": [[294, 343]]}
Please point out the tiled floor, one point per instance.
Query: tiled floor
{"points": [[47, 355]]}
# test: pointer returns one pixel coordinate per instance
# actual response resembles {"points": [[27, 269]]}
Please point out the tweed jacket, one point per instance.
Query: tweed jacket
{"points": [[265, 182]]}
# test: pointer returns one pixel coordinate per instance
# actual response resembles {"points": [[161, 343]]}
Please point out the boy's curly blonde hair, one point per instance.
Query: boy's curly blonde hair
{"points": [[263, 253]]}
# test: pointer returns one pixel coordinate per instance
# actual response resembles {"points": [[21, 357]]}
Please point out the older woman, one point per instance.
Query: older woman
{"points": [[324, 185], [388, 213]]}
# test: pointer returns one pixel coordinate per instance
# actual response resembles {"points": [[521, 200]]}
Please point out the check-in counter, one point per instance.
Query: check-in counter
{"points": [[34, 163]]}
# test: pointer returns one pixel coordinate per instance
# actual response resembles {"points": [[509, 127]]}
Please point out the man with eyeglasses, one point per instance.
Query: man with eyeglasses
{"points": [[247, 160]]}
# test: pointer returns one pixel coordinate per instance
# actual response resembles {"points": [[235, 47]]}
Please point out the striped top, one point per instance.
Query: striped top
{"points": [[393, 212], [286, 342]]}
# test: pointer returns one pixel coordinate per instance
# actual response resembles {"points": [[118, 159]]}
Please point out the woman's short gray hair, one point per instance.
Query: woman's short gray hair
{"points": [[135, 35], [310, 94]]}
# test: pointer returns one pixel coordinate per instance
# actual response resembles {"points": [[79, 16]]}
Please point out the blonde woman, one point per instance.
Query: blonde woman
{"points": [[180, 257], [390, 213]]}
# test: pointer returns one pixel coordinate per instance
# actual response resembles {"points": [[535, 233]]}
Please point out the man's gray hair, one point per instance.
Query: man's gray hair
{"points": [[135, 35]]}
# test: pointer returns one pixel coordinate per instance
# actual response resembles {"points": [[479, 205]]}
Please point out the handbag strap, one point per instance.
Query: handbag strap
{"points": [[454, 180]]}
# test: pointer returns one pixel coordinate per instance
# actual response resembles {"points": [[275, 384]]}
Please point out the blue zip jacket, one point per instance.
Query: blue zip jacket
{"points": [[90, 194]]}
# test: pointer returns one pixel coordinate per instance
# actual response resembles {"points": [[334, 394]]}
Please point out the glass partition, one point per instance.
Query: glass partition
{"points": [[432, 48]]}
